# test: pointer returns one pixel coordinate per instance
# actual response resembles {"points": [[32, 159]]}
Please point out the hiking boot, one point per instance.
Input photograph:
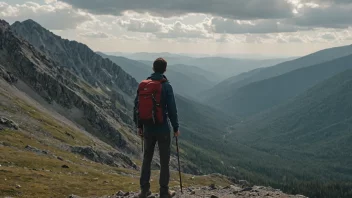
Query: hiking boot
{"points": [[144, 194], [168, 195]]}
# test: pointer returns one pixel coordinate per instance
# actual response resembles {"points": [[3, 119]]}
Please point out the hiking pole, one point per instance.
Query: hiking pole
{"points": [[179, 167], [142, 138]]}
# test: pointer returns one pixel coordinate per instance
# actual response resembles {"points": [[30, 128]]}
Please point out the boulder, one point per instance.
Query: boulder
{"points": [[8, 123]]}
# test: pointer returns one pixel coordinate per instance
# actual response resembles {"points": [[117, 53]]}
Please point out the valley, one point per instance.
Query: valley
{"points": [[67, 128]]}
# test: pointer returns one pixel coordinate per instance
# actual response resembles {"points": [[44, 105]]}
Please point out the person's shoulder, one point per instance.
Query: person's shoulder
{"points": [[167, 86]]}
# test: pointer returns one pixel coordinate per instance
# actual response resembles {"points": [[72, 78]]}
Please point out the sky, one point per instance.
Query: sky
{"points": [[275, 28]]}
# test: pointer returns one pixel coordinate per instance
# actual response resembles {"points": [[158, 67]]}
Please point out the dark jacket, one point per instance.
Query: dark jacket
{"points": [[169, 108]]}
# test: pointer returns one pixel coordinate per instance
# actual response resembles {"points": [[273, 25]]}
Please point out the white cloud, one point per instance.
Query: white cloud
{"points": [[163, 30], [141, 24], [55, 16], [229, 26], [95, 35]]}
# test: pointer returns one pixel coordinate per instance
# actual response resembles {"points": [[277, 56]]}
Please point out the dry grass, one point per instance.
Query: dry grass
{"points": [[42, 175]]}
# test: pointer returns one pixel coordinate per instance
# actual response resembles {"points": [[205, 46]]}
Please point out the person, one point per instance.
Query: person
{"points": [[160, 134]]}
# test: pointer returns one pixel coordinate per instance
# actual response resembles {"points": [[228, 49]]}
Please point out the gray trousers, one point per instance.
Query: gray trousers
{"points": [[164, 141]]}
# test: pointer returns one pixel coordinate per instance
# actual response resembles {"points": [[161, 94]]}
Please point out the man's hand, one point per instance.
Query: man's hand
{"points": [[177, 133], [140, 132]]}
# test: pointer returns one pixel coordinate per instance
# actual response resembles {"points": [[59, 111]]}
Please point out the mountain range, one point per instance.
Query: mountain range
{"points": [[262, 95], [229, 66], [231, 84], [185, 79], [314, 127], [66, 119]]}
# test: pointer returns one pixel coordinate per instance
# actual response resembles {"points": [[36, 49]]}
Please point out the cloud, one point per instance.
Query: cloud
{"points": [[95, 35], [244, 9], [141, 24], [229, 26], [334, 14], [162, 30], [328, 36], [180, 30], [54, 16]]}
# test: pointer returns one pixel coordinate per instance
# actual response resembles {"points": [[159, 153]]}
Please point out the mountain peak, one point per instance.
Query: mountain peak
{"points": [[31, 22], [3, 25]]}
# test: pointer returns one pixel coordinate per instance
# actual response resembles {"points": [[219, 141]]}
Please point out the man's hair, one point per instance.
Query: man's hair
{"points": [[159, 65]]}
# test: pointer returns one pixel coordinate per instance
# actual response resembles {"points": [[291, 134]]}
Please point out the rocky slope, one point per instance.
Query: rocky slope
{"points": [[212, 191], [94, 106], [77, 57]]}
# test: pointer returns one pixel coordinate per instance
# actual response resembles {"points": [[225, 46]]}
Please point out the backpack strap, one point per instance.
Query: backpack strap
{"points": [[164, 79]]}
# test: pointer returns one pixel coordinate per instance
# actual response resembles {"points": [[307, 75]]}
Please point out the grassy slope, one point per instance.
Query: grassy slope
{"points": [[41, 175], [313, 128], [232, 84], [262, 95]]}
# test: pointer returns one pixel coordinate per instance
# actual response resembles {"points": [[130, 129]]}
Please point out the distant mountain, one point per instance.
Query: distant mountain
{"points": [[186, 82], [231, 84], [265, 94], [221, 67], [190, 70], [228, 67], [314, 127], [136, 69]]}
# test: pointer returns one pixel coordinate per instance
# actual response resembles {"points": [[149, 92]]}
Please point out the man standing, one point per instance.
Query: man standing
{"points": [[154, 105]]}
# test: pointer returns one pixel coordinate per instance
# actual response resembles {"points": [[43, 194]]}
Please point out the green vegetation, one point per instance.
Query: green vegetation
{"points": [[42, 175]]}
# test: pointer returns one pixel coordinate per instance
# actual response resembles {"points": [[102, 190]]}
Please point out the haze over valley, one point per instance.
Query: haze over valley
{"points": [[263, 92]]}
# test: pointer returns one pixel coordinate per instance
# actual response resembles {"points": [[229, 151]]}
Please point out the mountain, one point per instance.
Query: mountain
{"points": [[184, 82], [92, 91], [231, 84], [221, 67], [314, 127], [262, 95], [191, 71], [66, 109], [228, 67], [65, 121]]}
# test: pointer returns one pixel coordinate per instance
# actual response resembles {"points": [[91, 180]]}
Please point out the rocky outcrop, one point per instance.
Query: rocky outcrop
{"points": [[234, 191], [109, 158], [36, 150], [8, 76], [5, 122]]}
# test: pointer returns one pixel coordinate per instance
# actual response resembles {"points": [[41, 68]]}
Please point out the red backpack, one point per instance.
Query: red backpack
{"points": [[150, 109]]}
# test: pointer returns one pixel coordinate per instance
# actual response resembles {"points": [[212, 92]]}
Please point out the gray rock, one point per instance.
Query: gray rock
{"points": [[108, 158], [36, 150], [8, 123], [243, 183], [120, 193], [65, 166], [212, 186], [60, 158], [246, 189], [8, 76], [73, 196]]}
